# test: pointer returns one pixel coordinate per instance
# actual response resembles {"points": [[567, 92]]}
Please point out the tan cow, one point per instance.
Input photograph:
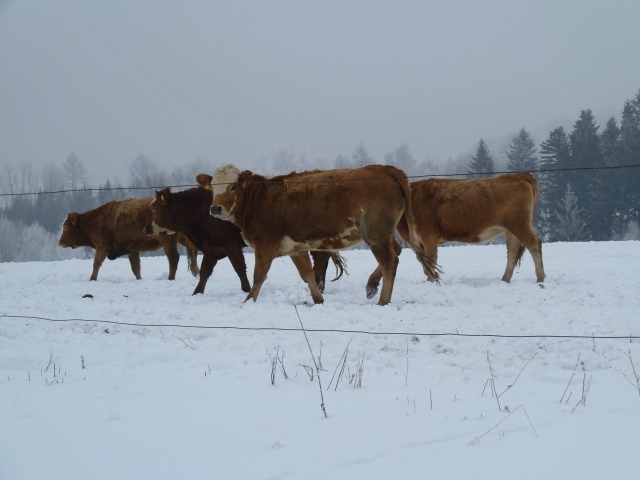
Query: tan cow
{"points": [[318, 210], [116, 228], [474, 211]]}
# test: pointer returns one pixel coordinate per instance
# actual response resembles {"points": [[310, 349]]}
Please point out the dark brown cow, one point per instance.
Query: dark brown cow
{"points": [[474, 211], [187, 212], [115, 229], [319, 210]]}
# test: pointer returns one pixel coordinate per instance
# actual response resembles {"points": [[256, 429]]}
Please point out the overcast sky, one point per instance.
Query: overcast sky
{"points": [[229, 81]]}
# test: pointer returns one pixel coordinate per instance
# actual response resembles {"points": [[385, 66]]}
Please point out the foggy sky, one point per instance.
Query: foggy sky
{"points": [[229, 81]]}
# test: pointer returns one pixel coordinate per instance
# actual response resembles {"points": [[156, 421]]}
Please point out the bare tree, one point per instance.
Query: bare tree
{"points": [[9, 182], [401, 158], [341, 161], [51, 178], [144, 172], [361, 156], [73, 172]]}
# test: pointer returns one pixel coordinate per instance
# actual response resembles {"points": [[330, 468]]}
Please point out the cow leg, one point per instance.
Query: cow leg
{"points": [[134, 260], [387, 257], [99, 257], [236, 257], [532, 242], [170, 247], [376, 276], [260, 270], [206, 269], [515, 249], [320, 265], [303, 263]]}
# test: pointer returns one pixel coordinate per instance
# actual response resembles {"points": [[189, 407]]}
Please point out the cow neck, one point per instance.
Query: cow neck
{"points": [[192, 210], [250, 202]]}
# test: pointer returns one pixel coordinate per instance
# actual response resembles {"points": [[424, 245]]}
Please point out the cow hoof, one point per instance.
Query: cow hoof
{"points": [[371, 292]]}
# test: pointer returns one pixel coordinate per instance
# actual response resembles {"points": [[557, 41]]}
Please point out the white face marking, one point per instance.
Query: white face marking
{"points": [[222, 177]]}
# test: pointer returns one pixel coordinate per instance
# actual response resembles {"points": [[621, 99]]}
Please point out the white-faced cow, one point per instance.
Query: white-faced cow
{"points": [[474, 211], [115, 229], [318, 210]]}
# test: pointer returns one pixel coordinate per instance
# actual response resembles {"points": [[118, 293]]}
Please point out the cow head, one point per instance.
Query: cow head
{"points": [[72, 234], [226, 184], [162, 218]]}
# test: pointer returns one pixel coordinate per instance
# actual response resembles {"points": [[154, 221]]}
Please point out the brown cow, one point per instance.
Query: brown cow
{"points": [[115, 229], [187, 212], [319, 210], [474, 211]]}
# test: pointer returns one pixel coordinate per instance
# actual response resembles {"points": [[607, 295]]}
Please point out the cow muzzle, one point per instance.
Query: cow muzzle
{"points": [[215, 210]]}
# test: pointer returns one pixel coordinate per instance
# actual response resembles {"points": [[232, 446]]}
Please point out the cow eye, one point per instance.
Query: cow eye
{"points": [[233, 187]]}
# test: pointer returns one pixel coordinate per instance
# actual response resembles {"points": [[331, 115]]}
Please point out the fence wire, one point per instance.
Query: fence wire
{"points": [[410, 177], [321, 330]]}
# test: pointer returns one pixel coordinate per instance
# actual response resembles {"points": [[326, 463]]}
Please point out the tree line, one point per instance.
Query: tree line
{"points": [[580, 205], [573, 205]]}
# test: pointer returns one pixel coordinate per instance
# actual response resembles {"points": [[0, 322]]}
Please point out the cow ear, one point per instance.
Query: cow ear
{"points": [[73, 218], [204, 180], [245, 178]]}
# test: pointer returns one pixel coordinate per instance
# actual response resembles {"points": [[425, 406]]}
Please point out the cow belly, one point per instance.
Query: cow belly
{"points": [[346, 239], [472, 237]]}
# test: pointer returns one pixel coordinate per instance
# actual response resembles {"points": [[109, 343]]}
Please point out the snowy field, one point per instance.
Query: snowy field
{"points": [[91, 400]]}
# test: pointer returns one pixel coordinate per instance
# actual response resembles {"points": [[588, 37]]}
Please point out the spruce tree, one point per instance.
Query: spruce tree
{"points": [[585, 152], [522, 153], [481, 162], [611, 147]]}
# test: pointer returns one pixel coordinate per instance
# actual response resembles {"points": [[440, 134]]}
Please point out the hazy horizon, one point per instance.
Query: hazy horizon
{"points": [[231, 82]]}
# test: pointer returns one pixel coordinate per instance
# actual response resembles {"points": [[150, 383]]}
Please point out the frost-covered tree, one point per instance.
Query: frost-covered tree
{"points": [[570, 227], [73, 172], [145, 172], [401, 158], [361, 157], [341, 161], [554, 155], [481, 162]]}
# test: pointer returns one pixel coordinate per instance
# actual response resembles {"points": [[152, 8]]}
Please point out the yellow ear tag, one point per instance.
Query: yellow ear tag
{"points": [[162, 199], [243, 184], [208, 186]]}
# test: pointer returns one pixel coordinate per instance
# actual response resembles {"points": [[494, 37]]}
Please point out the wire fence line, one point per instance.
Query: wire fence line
{"points": [[410, 177], [322, 330]]}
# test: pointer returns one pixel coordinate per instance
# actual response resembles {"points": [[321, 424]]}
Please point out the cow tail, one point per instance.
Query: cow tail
{"points": [[432, 267], [340, 263]]}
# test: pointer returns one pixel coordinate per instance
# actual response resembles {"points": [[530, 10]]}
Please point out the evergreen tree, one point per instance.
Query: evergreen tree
{"points": [[522, 153], [570, 226], [481, 162], [611, 147], [588, 185], [554, 153], [630, 155]]}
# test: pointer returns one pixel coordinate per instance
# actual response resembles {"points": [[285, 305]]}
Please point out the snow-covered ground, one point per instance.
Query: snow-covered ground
{"points": [[90, 400]]}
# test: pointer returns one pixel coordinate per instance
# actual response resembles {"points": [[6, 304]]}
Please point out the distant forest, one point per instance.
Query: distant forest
{"points": [[574, 205]]}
